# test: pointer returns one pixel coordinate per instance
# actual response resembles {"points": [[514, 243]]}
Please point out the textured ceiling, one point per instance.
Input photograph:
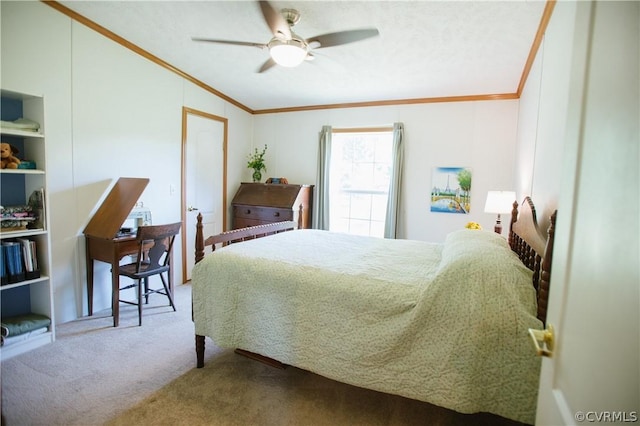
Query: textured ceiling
{"points": [[425, 49]]}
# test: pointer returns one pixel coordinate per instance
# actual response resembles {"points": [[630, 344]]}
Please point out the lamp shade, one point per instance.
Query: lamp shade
{"points": [[499, 202], [288, 53]]}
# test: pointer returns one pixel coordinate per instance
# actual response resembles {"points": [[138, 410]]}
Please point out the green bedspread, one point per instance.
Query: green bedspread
{"points": [[442, 323]]}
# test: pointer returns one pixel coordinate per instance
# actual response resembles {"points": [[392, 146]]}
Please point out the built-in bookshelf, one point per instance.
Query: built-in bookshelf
{"points": [[26, 287]]}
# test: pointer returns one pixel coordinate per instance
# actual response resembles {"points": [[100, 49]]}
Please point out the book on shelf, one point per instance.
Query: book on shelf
{"points": [[4, 277], [19, 261], [12, 254], [30, 254]]}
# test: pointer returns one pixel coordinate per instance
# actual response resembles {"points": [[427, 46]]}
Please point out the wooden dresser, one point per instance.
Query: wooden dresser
{"points": [[259, 203]]}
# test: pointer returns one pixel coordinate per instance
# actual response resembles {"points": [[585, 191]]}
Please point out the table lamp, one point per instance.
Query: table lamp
{"points": [[499, 202]]}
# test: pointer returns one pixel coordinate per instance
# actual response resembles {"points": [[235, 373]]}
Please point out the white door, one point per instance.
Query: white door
{"points": [[593, 375], [204, 179]]}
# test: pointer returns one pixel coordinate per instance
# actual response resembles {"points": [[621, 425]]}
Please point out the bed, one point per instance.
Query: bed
{"points": [[445, 323]]}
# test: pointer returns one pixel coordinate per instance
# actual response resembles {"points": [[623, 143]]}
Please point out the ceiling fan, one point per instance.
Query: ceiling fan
{"points": [[286, 47]]}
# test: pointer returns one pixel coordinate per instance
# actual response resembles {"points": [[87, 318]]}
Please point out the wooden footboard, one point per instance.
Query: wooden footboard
{"points": [[229, 237], [237, 235]]}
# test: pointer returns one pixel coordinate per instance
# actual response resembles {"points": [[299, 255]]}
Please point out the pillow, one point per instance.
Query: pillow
{"points": [[465, 236], [473, 260], [474, 246]]}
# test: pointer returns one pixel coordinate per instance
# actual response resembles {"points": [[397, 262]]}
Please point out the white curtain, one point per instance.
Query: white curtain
{"points": [[393, 203], [321, 192]]}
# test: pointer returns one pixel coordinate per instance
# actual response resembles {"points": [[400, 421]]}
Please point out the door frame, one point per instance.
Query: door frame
{"points": [[186, 111]]}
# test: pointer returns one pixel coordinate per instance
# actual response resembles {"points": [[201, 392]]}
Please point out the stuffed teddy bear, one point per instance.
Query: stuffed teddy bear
{"points": [[7, 152]]}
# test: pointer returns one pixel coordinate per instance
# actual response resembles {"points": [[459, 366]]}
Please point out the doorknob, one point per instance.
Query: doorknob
{"points": [[190, 208], [546, 337]]}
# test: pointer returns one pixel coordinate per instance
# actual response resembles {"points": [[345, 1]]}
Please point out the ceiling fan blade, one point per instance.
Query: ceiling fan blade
{"points": [[237, 43], [278, 25], [342, 37], [270, 63]]}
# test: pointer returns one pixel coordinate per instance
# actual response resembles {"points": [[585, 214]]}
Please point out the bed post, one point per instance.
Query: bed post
{"points": [[199, 351], [199, 257], [545, 273], [514, 219], [199, 240]]}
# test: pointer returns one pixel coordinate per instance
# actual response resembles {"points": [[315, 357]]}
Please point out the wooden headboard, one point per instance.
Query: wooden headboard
{"points": [[534, 247]]}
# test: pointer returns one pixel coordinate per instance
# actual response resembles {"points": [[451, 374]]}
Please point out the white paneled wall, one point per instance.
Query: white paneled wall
{"points": [[543, 106]]}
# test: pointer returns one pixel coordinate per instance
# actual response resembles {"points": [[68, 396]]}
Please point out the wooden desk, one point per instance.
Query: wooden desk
{"points": [[109, 251], [102, 242]]}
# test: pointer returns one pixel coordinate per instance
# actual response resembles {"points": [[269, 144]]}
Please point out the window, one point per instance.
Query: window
{"points": [[360, 170]]}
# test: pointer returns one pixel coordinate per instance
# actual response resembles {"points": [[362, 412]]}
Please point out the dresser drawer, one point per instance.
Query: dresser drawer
{"points": [[263, 214], [245, 223]]}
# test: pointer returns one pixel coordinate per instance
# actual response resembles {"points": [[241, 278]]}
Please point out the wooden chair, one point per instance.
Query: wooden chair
{"points": [[153, 258]]}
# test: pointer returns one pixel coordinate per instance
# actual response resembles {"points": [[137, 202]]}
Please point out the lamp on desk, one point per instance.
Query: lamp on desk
{"points": [[499, 202]]}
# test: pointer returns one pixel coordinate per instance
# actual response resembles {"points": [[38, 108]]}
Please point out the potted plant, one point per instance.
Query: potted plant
{"points": [[256, 162]]}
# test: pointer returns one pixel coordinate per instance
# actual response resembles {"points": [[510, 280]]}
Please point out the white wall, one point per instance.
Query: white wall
{"points": [[109, 113], [543, 112], [478, 135]]}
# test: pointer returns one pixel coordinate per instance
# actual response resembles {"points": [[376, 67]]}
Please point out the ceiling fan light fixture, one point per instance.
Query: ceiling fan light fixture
{"points": [[288, 49], [288, 53]]}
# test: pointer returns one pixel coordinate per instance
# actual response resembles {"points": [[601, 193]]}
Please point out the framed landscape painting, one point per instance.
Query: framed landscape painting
{"points": [[451, 190]]}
